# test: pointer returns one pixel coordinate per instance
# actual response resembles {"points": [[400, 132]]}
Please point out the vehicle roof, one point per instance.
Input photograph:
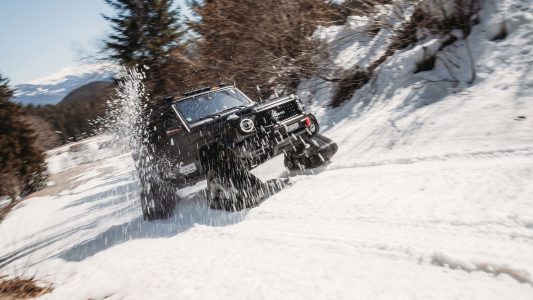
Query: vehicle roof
{"points": [[200, 91]]}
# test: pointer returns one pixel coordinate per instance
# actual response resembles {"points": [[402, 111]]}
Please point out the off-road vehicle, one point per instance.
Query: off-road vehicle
{"points": [[219, 134]]}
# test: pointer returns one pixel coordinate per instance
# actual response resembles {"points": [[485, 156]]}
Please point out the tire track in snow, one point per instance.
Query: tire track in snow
{"points": [[442, 260], [412, 241], [504, 153], [498, 246]]}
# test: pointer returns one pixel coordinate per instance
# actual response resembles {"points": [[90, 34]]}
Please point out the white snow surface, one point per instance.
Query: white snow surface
{"points": [[53, 88], [429, 197], [80, 153]]}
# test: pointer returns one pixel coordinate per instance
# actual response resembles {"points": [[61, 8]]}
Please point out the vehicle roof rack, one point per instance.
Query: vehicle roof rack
{"points": [[196, 91], [169, 98]]}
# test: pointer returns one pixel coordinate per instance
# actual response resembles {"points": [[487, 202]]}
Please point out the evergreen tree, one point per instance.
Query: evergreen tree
{"points": [[5, 91], [147, 35], [22, 165]]}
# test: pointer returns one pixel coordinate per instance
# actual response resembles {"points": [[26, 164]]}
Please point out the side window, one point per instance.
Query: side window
{"points": [[169, 119]]}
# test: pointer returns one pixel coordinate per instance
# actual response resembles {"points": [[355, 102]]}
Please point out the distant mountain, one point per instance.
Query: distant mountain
{"points": [[53, 88], [96, 91], [72, 117]]}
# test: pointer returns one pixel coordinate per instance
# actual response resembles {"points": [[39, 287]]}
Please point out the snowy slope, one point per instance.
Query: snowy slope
{"points": [[429, 197], [53, 88]]}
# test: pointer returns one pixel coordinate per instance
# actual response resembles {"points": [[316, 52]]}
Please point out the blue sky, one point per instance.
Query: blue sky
{"points": [[39, 37]]}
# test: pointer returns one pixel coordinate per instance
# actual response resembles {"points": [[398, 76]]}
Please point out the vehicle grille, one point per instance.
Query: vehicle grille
{"points": [[290, 109], [285, 111]]}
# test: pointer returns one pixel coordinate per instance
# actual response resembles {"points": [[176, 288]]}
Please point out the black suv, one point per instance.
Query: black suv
{"points": [[220, 134]]}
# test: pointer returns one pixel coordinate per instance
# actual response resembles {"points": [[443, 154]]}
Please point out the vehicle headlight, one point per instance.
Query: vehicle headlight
{"points": [[247, 125]]}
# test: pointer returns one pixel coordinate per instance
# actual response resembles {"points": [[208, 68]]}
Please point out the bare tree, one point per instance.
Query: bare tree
{"points": [[260, 45]]}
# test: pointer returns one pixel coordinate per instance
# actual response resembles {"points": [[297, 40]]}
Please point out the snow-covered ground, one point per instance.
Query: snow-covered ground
{"points": [[429, 197]]}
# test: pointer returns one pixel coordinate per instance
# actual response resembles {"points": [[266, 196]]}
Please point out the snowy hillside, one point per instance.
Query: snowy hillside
{"points": [[53, 88], [429, 196]]}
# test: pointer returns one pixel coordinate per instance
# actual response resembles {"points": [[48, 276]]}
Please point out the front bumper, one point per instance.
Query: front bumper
{"points": [[283, 137]]}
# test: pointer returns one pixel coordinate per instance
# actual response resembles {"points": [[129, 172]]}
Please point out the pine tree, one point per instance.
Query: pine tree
{"points": [[5, 91], [147, 35], [22, 166]]}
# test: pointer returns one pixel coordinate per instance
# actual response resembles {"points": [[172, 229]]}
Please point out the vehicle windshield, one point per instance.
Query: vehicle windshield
{"points": [[199, 107]]}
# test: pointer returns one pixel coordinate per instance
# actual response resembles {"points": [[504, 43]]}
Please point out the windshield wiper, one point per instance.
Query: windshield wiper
{"points": [[235, 107], [211, 116], [219, 114]]}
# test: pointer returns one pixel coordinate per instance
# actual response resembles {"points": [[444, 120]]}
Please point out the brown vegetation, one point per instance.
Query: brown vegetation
{"points": [[20, 288], [260, 45], [47, 137]]}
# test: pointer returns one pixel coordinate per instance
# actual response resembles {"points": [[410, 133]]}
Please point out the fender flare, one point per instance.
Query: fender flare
{"points": [[211, 151]]}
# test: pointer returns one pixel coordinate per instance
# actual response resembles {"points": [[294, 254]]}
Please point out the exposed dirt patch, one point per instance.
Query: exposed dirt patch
{"points": [[351, 81], [427, 62]]}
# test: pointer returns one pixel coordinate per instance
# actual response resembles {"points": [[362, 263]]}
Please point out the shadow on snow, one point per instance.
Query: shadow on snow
{"points": [[120, 200]]}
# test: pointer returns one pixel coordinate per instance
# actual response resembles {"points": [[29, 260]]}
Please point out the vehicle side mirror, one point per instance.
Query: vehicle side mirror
{"points": [[174, 131]]}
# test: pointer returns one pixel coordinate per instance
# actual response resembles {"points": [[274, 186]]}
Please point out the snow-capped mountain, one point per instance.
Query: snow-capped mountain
{"points": [[53, 88]]}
